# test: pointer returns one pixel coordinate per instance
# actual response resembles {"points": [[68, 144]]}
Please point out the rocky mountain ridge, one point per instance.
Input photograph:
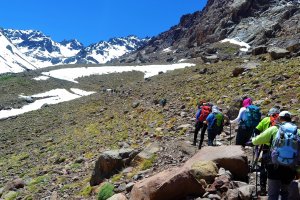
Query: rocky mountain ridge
{"points": [[270, 23]]}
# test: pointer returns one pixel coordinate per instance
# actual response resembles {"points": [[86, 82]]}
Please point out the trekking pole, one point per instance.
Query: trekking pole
{"points": [[229, 133]]}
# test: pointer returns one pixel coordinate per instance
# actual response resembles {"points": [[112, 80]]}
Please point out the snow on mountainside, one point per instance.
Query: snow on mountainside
{"points": [[11, 59], [105, 51], [43, 51]]}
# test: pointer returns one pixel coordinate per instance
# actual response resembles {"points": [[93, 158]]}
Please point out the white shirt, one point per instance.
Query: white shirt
{"points": [[238, 119]]}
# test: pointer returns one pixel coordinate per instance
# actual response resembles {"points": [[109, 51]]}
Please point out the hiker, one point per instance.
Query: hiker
{"points": [[201, 115], [247, 119], [270, 120], [215, 123], [284, 139]]}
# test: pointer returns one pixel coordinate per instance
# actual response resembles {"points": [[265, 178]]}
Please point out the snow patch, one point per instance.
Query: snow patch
{"points": [[47, 98], [237, 41], [166, 50], [71, 74]]}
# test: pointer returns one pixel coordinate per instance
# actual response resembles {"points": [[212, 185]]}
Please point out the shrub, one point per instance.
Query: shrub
{"points": [[106, 191]]}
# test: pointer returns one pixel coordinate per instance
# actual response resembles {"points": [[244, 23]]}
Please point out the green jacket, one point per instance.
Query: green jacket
{"points": [[264, 124], [266, 136]]}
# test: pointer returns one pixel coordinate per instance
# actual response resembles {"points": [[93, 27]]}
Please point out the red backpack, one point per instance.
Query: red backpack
{"points": [[205, 110]]}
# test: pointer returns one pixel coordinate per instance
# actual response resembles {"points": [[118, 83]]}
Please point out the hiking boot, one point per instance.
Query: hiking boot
{"points": [[263, 191]]}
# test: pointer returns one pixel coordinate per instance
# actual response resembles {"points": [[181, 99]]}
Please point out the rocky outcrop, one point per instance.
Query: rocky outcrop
{"points": [[110, 162], [170, 184], [277, 53], [195, 174], [231, 158], [256, 22]]}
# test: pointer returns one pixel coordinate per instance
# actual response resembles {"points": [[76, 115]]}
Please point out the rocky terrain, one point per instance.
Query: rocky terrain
{"points": [[125, 141], [267, 23], [53, 151]]}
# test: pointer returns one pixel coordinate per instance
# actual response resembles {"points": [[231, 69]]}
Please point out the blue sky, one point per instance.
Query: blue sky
{"points": [[90, 21]]}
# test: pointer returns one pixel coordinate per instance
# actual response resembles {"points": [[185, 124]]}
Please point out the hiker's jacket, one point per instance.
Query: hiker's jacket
{"points": [[264, 124], [198, 114], [266, 136], [210, 120], [239, 117]]}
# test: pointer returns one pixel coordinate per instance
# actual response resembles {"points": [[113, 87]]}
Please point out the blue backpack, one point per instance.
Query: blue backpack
{"points": [[251, 117], [285, 147]]}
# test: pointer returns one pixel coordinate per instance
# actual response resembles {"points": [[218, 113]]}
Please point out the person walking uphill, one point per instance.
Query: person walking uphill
{"points": [[284, 155], [201, 115], [247, 119], [264, 124], [215, 123]]}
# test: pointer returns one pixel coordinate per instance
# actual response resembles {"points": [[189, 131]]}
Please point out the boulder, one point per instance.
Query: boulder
{"points": [[245, 192], [210, 59], [237, 71], [147, 153], [232, 194], [259, 50], [119, 196], [277, 53], [206, 170], [293, 46], [111, 162], [232, 158], [175, 183]]}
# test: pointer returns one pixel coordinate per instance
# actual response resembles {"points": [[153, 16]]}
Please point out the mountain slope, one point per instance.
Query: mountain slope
{"points": [[11, 59], [256, 22], [43, 51]]}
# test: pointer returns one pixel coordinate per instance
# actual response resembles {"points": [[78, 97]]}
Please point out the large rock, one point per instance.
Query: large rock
{"points": [[111, 162], [259, 50], [118, 196], [206, 170], [277, 53], [175, 183], [232, 158], [147, 153]]}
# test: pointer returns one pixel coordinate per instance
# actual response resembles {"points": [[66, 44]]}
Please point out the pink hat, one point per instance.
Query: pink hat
{"points": [[247, 102]]}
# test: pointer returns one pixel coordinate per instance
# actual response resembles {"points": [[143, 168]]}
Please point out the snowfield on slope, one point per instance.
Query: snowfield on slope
{"points": [[47, 98], [71, 74]]}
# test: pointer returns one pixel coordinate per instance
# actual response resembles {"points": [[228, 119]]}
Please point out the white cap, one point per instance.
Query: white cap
{"points": [[285, 114]]}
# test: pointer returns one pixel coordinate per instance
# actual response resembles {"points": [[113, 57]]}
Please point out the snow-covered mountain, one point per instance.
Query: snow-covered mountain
{"points": [[41, 51], [11, 59], [104, 51]]}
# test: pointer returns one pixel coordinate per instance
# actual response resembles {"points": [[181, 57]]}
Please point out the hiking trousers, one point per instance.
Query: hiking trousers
{"points": [[199, 125], [277, 188], [243, 135], [211, 134]]}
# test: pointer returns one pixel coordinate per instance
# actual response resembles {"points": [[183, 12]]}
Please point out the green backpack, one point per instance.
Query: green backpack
{"points": [[219, 119]]}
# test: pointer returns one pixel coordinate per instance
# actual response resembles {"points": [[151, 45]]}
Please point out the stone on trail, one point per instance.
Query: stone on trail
{"points": [[232, 158], [206, 170], [111, 162], [147, 153], [119, 196], [170, 184]]}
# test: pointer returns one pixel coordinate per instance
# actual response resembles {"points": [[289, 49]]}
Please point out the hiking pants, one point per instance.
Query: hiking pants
{"points": [[263, 170], [211, 134], [199, 125], [276, 188], [243, 135]]}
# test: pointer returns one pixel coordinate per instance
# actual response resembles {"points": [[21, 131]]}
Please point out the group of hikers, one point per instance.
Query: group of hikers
{"points": [[275, 136]]}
